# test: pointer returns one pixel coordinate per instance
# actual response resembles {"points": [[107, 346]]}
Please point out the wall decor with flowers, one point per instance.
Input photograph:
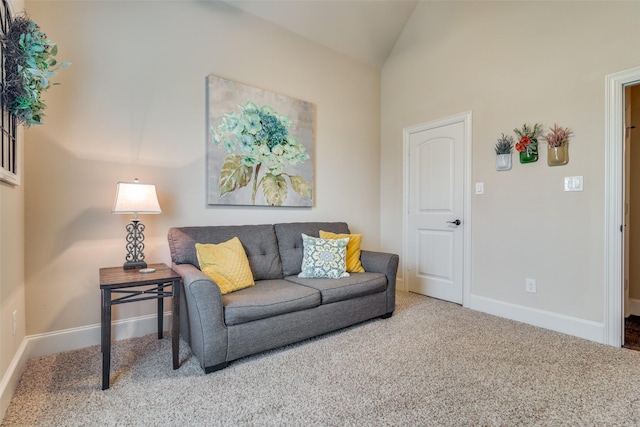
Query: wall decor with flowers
{"points": [[504, 148], [558, 145], [261, 147], [28, 64], [527, 144], [527, 147]]}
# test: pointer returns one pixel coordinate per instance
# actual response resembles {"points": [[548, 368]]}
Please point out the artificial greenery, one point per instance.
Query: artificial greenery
{"points": [[558, 136], [29, 64], [504, 144], [528, 138]]}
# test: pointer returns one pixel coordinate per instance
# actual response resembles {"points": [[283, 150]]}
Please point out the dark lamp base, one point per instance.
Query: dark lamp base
{"points": [[132, 265]]}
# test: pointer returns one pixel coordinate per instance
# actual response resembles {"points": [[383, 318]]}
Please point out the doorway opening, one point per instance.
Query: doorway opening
{"points": [[615, 219], [631, 235]]}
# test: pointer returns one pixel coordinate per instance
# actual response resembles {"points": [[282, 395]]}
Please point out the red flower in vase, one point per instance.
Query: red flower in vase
{"points": [[528, 138]]}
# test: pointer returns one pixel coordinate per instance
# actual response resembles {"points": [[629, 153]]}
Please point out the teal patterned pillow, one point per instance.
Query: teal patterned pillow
{"points": [[324, 257]]}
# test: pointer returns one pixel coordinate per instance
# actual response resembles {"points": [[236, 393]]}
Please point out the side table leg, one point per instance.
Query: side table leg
{"points": [[175, 322], [106, 337], [160, 313]]}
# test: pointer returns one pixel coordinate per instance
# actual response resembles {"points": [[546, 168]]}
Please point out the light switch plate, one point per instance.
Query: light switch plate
{"points": [[479, 187], [573, 183]]}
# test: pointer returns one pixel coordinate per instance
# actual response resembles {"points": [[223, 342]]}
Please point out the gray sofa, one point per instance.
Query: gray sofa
{"points": [[281, 308]]}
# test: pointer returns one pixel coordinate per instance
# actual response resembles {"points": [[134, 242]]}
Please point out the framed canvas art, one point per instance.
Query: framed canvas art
{"points": [[260, 148]]}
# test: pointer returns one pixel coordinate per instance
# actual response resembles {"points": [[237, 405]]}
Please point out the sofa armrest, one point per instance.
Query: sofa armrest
{"points": [[387, 264], [207, 332]]}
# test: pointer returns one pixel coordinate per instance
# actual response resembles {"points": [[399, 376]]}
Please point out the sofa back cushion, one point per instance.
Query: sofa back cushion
{"points": [[259, 242], [290, 241]]}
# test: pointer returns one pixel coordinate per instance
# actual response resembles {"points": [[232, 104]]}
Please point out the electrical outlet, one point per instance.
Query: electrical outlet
{"points": [[15, 321], [530, 286]]}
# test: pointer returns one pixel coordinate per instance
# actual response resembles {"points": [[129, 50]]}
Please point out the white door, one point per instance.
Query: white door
{"points": [[435, 253]]}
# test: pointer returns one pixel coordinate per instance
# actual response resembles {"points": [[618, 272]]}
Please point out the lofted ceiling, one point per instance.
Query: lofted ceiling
{"points": [[364, 30]]}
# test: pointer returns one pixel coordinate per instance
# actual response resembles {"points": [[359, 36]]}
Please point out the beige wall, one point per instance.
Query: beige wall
{"points": [[12, 283], [510, 63], [133, 105]]}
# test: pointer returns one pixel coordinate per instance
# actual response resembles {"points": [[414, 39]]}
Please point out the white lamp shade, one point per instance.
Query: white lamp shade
{"points": [[135, 198]]}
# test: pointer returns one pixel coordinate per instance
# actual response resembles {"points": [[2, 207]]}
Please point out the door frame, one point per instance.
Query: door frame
{"points": [[466, 119], [614, 200]]}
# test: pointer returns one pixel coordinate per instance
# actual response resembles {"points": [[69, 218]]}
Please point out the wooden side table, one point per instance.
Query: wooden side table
{"points": [[127, 283]]}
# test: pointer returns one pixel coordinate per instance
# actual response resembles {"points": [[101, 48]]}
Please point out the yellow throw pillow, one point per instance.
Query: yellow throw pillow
{"points": [[226, 264], [353, 249]]}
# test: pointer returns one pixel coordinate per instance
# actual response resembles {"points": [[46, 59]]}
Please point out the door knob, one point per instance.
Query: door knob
{"points": [[456, 222]]}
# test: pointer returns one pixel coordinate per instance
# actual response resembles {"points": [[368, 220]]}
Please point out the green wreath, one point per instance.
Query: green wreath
{"points": [[30, 62]]}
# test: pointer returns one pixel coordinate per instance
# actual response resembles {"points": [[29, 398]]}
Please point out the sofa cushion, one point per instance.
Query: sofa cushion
{"points": [[324, 257], [353, 249], [259, 242], [290, 241], [356, 285], [267, 298], [226, 264]]}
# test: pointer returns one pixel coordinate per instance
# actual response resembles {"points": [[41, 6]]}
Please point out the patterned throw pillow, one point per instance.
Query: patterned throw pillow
{"points": [[324, 258], [353, 249]]}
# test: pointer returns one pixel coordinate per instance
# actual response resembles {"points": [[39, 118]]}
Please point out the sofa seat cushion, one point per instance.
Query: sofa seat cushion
{"points": [[267, 298], [356, 285]]}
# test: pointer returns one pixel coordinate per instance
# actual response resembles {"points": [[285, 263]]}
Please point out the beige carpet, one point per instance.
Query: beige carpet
{"points": [[431, 364]]}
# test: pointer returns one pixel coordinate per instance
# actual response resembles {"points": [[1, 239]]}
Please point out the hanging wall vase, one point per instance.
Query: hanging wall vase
{"points": [[558, 156], [529, 156], [503, 162], [527, 144], [558, 148]]}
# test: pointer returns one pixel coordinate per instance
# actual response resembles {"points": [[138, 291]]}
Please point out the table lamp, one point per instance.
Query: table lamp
{"points": [[135, 198]]}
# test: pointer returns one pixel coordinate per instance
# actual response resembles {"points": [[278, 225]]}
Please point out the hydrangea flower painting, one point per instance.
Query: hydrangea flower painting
{"points": [[261, 147]]}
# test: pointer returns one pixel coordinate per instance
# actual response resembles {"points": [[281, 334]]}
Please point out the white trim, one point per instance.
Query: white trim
{"points": [[468, 149], [466, 119], [85, 336], [592, 331], [13, 178], [9, 177], [614, 187], [71, 339], [634, 306], [12, 377]]}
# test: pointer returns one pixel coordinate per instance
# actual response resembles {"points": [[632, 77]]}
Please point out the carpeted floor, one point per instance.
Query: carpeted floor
{"points": [[433, 363]]}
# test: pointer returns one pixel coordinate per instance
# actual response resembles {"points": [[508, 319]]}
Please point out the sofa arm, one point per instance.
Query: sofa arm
{"points": [[387, 264], [204, 317]]}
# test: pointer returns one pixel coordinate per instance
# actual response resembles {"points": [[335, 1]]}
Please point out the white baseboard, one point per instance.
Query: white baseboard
{"points": [[634, 306], [85, 336], [12, 376], [590, 330], [71, 339]]}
